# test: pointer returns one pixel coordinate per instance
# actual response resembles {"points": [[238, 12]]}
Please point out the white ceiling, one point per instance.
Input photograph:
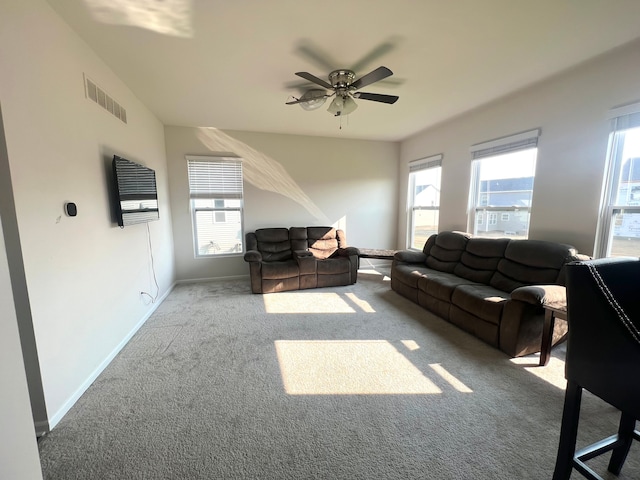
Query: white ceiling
{"points": [[230, 64]]}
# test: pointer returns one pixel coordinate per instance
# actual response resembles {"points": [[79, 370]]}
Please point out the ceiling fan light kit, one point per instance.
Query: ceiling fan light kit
{"points": [[313, 99], [344, 85], [342, 105]]}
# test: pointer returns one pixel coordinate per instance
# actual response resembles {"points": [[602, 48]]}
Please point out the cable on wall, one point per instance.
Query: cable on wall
{"points": [[153, 269]]}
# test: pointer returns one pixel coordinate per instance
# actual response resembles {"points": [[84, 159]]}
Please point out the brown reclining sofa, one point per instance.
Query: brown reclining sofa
{"points": [[494, 288], [295, 258]]}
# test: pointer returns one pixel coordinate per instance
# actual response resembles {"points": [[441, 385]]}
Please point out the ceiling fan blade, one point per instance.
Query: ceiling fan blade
{"points": [[306, 100], [295, 102], [377, 97], [374, 54], [314, 79], [371, 77], [314, 53]]}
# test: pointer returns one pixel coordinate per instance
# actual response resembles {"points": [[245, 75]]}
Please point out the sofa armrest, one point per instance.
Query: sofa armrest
{"points": [[543, 295], [307, 263], [410, 256], [347, 251], [252, 256]]}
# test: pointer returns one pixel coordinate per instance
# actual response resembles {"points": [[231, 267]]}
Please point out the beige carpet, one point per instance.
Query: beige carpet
{"points": [[340, 383]]}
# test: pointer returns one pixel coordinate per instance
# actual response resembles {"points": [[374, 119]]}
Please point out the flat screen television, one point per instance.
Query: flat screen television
{"points": [[136, 196]]}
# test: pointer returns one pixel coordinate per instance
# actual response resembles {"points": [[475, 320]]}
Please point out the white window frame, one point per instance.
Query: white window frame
{"points": [[492, 148], [415, 166], [622, 118], [209, 187]]}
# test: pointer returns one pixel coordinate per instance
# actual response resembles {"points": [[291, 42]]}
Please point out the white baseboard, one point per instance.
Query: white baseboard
{"points": [[62, 411], [213, 279]]}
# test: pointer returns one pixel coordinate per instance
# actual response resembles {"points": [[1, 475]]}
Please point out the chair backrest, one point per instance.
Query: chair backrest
{"points": [[603, 313]]}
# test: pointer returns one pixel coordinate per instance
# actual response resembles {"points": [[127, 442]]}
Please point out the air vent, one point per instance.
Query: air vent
{"points": [[102, 98]]}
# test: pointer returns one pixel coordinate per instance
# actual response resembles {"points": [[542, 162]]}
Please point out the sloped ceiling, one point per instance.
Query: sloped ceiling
{"points": [[231, 64]]}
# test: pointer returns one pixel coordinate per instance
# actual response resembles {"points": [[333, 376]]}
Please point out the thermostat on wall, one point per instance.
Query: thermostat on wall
{"points": [[70, 209]]}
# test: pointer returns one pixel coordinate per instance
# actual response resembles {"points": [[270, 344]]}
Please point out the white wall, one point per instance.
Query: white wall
{"points": [[84, 274], [571, 109], [290, 180], [18, 453]]}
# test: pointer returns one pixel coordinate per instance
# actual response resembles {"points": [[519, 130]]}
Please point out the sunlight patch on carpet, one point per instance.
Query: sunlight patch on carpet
{"points": [[312, 302], [372, 271], [348, 367], [449, 378], [553, 373], [410, 344], [362, 304]]}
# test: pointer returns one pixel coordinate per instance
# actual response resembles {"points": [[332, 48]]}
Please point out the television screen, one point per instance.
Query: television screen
{"points": [[136, 194]]}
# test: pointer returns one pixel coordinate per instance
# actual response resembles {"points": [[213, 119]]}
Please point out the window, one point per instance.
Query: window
{"points": [[501, 190], [619, 223], [423, 200], [215, 192]]}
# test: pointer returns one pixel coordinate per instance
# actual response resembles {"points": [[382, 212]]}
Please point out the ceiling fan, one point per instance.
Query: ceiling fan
{"points": [[344, 85]]}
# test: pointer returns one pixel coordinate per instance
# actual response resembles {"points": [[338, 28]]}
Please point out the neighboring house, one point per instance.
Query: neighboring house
{"points": [[427, 196], [628, 195], [514, 194]]}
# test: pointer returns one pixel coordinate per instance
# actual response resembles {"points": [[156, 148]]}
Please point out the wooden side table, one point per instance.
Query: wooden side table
{"points": [[550, 315]]}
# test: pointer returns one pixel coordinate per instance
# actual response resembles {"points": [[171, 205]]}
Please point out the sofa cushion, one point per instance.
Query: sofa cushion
{"points": [[480, 259], [445, 254], [274, 244], [298, 238], [410, 274], [280, 270], [528, 262], [483, 301], [333, 266], [322, 241], [441, 285], [431, 241]]}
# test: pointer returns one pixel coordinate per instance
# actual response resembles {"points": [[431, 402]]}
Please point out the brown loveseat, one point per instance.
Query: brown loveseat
{"points": [[494, 288], [282, 259]]}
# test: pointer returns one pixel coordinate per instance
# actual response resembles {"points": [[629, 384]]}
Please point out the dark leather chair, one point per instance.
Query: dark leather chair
{"points": [[603, 357]]}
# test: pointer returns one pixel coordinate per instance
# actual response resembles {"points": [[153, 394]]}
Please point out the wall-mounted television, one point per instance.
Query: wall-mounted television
{"points": [[136, 196]]}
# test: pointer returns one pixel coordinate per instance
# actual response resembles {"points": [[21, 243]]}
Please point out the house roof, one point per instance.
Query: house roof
{"points": [[631, 170], [231, 65], [507, 192]]}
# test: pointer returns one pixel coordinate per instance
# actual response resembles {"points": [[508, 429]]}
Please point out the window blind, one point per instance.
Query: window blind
{"points": [[215, 177], [625, 117], [512, 143], [424, 163]]}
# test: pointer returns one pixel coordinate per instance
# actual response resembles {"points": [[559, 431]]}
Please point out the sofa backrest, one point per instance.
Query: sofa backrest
{"points": [[324, 241], [444, 252], [298, 238], [528, 262], [272, 243], [503, 263], [278, 244], [480, 259]]}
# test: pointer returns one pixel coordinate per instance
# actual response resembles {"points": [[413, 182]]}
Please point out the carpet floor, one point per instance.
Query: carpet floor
{"points": [[350, 382]]}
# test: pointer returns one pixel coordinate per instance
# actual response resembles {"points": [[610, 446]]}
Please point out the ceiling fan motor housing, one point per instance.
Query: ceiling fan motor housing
{"points": [[341, 78]]}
